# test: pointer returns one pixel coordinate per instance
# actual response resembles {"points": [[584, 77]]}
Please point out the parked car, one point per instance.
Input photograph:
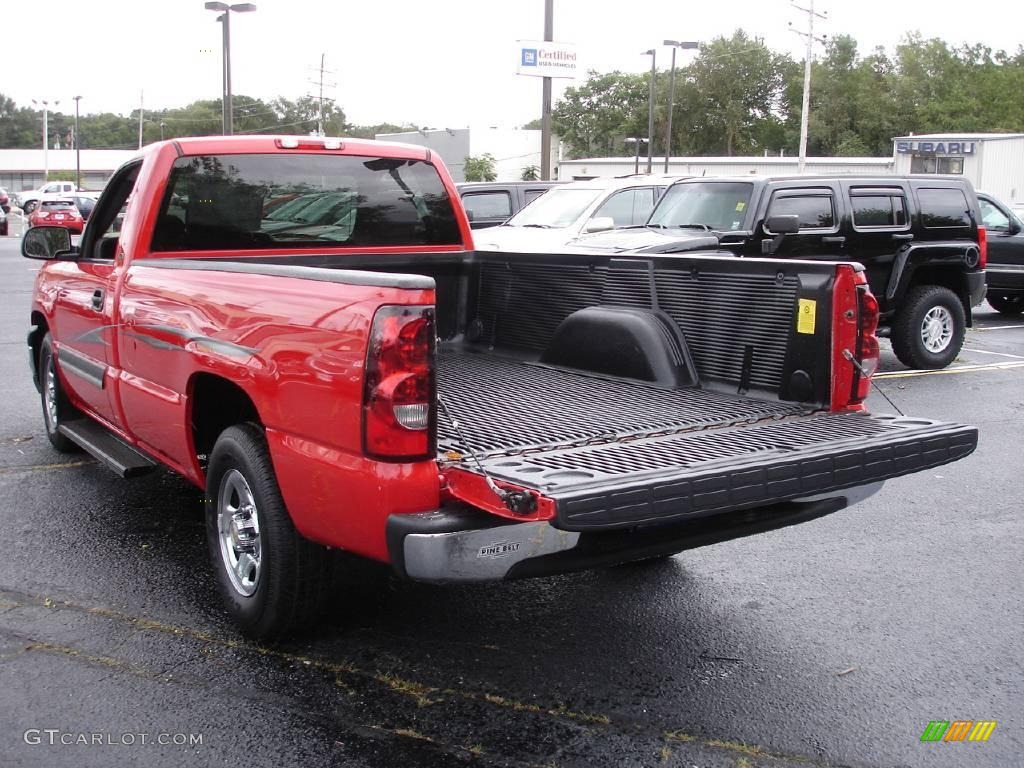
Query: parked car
{"points": [[564, 213], [5, 201], [3, 222], [58, 213], [920, 238], [1005, 269], [489, 203], [28, 199], [382, 395], [84, 202]]}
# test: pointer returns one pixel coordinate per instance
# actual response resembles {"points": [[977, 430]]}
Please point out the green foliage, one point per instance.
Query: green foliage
{"points": [[739, 97], [480, 168], [61, 176], [530, 173]]}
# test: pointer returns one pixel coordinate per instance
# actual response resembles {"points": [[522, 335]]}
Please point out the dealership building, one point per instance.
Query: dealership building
{"points": [[993, 162]]}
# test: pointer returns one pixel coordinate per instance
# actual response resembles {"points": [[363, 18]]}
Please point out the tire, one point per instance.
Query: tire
{"points": [[1009, 304], [273, 581], [29, 207], [56, 406], [929, 329]]}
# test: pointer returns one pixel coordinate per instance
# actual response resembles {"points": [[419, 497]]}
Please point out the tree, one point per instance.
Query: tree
{"points": [[595, 117], [530, 173], [480, 168], [737, 83]]}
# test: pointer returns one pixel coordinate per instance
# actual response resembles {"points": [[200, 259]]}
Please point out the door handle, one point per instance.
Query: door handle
{"points": [[97, 299], [907, 236], [834, 239]]}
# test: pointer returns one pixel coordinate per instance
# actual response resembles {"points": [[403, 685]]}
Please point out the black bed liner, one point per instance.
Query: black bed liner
{"points": [[614, 453], [506, 406]]}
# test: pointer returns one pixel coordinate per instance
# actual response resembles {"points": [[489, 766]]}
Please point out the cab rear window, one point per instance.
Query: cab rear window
{"points": [[228, 202]]}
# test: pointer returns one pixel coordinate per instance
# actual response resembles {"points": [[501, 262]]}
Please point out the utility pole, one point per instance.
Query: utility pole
{"points": [[319, 82], [650, 109], [46, 136], [809, 35], [141, 113], [545, 108], [78, 148]]}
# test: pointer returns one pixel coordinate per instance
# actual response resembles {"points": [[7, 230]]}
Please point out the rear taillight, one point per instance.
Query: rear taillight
{"points": [[867, 342], [854, 343], [982, 247], [399, 391], [42, 214]]}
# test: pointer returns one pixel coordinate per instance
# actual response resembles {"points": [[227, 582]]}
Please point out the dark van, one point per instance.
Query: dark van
{"points": [[489, 203]]}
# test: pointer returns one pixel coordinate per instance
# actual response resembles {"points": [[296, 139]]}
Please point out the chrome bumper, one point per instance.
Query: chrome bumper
{"points": [[466, 545]]}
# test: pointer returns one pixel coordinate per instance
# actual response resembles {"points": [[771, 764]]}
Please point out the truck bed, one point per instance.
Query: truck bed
{"points": [[614, 453], [542, 407]]}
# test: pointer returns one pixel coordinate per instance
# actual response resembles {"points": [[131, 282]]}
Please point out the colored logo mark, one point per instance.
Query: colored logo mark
{"points": [[958, 730], [529, 57]]}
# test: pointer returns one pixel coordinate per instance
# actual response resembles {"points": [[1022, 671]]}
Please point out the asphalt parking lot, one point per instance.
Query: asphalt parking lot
{"points": [[830, 643]]}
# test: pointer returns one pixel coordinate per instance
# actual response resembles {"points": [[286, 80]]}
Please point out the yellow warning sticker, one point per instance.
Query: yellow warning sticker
{"points": [[805, 316], [740, 206]]}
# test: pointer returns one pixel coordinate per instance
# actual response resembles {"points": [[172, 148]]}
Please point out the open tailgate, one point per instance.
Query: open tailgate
{"points": [[668, 478]]}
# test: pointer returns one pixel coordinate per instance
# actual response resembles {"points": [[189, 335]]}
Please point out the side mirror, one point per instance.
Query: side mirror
{"points": [[599, 224], [783, 224], [46, 243]]}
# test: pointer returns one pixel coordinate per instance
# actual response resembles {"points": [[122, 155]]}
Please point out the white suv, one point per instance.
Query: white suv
{"points": [[564, 213]]}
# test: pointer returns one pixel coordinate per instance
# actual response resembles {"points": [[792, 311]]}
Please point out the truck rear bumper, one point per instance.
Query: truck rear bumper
{"points": [[461, 545]]}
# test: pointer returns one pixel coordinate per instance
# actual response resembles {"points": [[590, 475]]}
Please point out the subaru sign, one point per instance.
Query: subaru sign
{"points": [[936, 147], [539, 58]]}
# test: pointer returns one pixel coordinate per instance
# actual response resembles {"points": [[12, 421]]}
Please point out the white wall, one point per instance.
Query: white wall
{"points": [[1001, 170], [513, 149], [726, 166]]}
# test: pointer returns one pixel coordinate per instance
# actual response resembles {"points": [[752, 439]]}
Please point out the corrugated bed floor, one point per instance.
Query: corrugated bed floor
{"points": [[507, 406]]}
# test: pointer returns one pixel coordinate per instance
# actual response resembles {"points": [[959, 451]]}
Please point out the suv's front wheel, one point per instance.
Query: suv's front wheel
{"points": [[929, 329]]}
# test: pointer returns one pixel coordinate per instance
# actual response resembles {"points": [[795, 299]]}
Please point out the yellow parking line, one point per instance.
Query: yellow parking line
{"points": [[959, 369], [44, 467]]}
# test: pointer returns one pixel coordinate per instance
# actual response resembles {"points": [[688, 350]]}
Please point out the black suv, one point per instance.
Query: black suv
{"points": [[1005, 271], [917, 237]]}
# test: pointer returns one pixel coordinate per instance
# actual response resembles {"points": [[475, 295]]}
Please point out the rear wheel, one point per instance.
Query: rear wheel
{"points": [[273, 580], [29, 207], [1011, 304], [56, 407], [929, 329]]}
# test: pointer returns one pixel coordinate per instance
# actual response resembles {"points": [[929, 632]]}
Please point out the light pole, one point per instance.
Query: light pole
{"points": [[78, 148], [162, 131], [685, 45], [46, 137], [636, 160], [225, 18], [650, 109]]}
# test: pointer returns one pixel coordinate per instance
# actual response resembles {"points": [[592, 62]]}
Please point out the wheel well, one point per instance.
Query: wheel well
{"points": [[216, 404], [35, 340], [947, 278]]}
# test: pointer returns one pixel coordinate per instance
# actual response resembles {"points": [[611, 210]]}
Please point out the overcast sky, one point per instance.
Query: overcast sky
{"points": [[440, 63]]}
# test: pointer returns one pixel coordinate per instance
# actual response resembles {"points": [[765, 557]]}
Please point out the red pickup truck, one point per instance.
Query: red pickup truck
{"points": [[301, 328]]}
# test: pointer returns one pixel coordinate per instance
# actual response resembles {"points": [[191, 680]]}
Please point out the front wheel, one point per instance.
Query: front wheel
{"points": [[273, 580], [1009, 304], [929, 329], [57, 409], [29, 207]]}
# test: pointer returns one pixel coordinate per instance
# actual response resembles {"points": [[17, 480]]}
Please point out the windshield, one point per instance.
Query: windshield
{"points": [[722, 206], [556, 208], [282, 200]]}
